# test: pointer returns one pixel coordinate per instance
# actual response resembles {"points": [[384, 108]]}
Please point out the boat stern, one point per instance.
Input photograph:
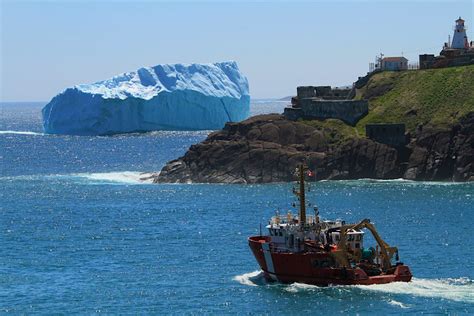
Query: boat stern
{"points": [[402, 273]]}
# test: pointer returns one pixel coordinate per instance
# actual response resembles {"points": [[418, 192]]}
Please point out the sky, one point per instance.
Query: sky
{"points": [[47, 46]]}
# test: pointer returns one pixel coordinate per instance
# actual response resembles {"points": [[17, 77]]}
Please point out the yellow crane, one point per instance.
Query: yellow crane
{"points": [[343, 256]]}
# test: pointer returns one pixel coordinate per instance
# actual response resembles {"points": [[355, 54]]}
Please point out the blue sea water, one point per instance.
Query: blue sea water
{"points": [[79, 233]]}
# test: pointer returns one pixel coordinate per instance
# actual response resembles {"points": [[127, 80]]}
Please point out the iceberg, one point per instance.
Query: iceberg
{"points": [[163, 97]]}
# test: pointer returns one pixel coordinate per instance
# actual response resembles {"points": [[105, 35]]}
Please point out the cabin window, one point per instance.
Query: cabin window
{"points": [[357, 245]]}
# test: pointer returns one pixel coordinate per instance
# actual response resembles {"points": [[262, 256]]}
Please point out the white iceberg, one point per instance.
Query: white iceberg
{"points": [[163, 97]]}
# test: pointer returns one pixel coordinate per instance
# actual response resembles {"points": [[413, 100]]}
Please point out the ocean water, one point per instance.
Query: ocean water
{"points": [[79, 233]]}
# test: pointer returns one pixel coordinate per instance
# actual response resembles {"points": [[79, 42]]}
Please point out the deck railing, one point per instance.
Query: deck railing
{"points": [[291, 219]]}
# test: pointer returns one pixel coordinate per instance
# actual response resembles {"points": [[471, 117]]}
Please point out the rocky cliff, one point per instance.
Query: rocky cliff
{"points": [[266, 148]]}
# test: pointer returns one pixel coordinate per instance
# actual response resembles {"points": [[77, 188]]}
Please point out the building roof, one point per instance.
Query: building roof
{"points": [[397, 59], [460, 20]]}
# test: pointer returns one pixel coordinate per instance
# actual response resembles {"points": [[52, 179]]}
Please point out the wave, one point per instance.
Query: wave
{"points": [[254, 278], [396, 181], [202, 133], [164, 133], [119, 177], [264, 101], [21, 133], [397, 303], [128, 177], [460, 290]]}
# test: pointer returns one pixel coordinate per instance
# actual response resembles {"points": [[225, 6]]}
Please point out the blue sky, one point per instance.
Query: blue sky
{"points": [[47, 46]]}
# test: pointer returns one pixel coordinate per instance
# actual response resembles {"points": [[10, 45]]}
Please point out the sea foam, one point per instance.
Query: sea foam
{"points": [[460, 290], [22, 133]]}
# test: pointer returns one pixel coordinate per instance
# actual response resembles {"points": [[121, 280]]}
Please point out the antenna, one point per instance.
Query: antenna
{"points": [[301, 195], [380, 60]]}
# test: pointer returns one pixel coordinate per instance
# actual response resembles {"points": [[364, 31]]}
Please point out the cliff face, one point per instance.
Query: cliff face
{"points": [[267, 148], [443, 153], [436, 106]]}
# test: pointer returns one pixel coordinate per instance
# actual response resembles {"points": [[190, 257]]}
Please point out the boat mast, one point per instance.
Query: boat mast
{"points": [[302, 196]]}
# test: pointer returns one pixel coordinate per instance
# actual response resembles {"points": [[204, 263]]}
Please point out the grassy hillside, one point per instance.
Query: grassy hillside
{"points": [[434, 96], [335, 130]]}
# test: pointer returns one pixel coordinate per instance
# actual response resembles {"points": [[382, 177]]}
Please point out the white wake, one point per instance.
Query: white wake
{"points": [[127, 177], [22, 133], [117, 177], [460, 290], [254, 278], [398, 304]]}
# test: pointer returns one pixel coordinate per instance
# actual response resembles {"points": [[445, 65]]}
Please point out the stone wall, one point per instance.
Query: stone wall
{"points": [[448, 58], [426, 61], [322, 92], [293, 114], [306, 92], [389, 134], [349, 111]]}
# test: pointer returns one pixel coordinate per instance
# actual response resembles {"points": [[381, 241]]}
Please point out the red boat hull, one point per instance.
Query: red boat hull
{"points": [[308, 267]]}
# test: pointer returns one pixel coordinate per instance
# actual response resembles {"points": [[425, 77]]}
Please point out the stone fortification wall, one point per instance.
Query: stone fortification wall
{"points": [[322, 92], [448, 58], [349, 111], [324, 102], [305, 92], [293, 114]]}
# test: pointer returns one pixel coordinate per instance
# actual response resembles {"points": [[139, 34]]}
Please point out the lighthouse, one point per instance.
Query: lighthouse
{"points": [[460, 38]]}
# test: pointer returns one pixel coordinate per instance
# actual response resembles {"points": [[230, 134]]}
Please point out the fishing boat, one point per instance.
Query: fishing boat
{"points": [[306, 249]]}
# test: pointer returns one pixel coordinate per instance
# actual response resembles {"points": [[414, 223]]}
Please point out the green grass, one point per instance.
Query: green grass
{"points": [[335, 130], [438, 96]]}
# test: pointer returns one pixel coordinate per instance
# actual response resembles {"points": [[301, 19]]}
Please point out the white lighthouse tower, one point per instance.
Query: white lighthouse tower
{"points": [[460, 37]]}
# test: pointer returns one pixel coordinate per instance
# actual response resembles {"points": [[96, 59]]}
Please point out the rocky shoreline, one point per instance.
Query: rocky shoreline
{"points": [[267, 148]]}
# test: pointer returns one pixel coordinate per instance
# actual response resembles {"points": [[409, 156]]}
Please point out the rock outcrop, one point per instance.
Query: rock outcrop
{"points": [[267, 148], [443, 153]]}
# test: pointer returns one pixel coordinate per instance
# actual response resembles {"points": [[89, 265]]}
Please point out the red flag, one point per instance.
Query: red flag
{"points": [[310, 173]]}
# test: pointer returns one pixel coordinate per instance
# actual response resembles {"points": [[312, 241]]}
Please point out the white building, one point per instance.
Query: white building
{"points": [[394, 63], [460, 38]]}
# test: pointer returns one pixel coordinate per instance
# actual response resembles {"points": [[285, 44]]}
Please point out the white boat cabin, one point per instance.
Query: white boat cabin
{"points": [[285, 232]]}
